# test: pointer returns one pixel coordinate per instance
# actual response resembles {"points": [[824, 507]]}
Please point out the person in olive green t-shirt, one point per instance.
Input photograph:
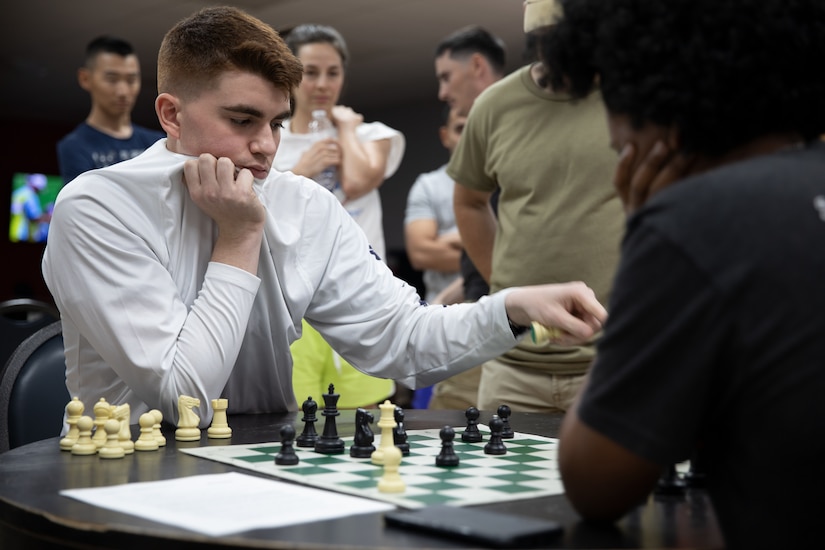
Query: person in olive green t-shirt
{"points": [[559, 219]]}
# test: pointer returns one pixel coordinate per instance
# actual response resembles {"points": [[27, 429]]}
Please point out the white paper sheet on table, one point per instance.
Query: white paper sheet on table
{"points": [[220, 504]]}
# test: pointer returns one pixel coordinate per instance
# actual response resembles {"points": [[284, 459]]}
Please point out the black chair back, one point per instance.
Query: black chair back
{"points": [[19, 319], [33, 394]]}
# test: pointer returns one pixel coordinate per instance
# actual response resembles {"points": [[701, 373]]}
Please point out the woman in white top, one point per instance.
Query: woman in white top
{"points": [[364, 153]]}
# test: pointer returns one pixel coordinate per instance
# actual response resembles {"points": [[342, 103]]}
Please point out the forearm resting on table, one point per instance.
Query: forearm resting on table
{"points": [[602, 479]]}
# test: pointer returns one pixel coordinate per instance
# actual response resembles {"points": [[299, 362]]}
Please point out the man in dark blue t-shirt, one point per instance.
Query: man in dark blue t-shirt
{"points": [[111, 75]]}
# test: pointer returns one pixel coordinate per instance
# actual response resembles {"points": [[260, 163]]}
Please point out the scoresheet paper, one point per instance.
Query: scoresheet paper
{"points": [[221, 504]]}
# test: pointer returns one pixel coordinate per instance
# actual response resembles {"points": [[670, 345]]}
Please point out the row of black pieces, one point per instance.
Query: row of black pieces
{"points": [[329, 442], [472, 434], [499, 430]]}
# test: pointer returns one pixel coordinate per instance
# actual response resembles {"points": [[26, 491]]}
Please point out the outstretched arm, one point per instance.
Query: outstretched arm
{"points": [[571, 307]]}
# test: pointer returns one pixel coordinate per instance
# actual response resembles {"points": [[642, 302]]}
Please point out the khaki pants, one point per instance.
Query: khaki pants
{"points": [[525, 389], [457, 392]]}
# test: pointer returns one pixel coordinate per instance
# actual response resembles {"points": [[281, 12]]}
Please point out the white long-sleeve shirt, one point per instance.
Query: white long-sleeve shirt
{"points": [[147, 316]]}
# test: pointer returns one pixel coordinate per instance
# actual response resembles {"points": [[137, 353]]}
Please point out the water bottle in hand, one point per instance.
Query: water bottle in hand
{"points": [[321, 128]]}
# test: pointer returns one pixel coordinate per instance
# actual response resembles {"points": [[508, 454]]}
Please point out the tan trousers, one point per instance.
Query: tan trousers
{"points": [[457, 392], [525, 389]]}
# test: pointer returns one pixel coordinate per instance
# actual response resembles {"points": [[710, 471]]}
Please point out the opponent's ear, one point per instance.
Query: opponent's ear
{"points": [[167, 108]]}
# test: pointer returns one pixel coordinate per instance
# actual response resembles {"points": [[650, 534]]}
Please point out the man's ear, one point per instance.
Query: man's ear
{"points": [[84, 77], [443, 135], [479, 64], [167, 108]]}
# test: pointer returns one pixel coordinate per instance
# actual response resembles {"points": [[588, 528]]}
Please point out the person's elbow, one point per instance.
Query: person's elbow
{"points": [[602, 480]]}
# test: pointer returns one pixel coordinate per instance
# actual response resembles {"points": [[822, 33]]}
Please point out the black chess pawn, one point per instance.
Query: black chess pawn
{"points": [[309, 436], [287, 455], [447, 456], [670, 483], [504, 413], [472, 434], [495, 446], [362, 446], [399, 433], [329, 443]]}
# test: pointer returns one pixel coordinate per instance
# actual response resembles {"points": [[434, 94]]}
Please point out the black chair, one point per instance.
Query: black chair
{"points": [[33, 394], [19, 319]]}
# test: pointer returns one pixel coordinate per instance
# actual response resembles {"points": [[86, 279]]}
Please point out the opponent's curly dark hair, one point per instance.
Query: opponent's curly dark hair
{"points": [[721, 71]]}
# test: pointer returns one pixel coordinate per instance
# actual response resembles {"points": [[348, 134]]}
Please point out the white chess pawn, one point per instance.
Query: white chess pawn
{"points": [[219, 429], [74, 410], [156, 427], [146, 440], [84, 444], [386, 422], [103, 412], [112, 448], [391, 481]]}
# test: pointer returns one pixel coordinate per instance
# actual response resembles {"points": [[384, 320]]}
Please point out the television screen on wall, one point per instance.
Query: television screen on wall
{"points": [[32, 202]]}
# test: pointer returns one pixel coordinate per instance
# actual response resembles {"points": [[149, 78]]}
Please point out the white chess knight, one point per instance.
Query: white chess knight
{"points": [[188, 421]]}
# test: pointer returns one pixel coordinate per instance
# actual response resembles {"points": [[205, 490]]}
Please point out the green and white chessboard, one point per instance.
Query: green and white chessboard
{"points": [[527, 470]]}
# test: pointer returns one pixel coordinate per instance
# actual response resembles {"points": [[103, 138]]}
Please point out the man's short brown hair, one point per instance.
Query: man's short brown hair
{"points": [[212, 41]]}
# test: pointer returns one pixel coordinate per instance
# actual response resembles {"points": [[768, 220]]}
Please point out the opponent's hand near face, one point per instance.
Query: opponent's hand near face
{"points": [[637, 181], [229, 199], [571, 307]]}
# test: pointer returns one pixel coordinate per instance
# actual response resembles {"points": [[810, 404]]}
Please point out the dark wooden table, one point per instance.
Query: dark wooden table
{"points": [[34, 515]]}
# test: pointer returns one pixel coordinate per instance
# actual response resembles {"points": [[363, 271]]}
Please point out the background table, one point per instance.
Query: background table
{"points": [[34, 514]]}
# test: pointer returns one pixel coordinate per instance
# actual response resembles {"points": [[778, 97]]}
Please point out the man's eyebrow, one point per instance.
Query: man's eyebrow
{"points": [[244, 109]]}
